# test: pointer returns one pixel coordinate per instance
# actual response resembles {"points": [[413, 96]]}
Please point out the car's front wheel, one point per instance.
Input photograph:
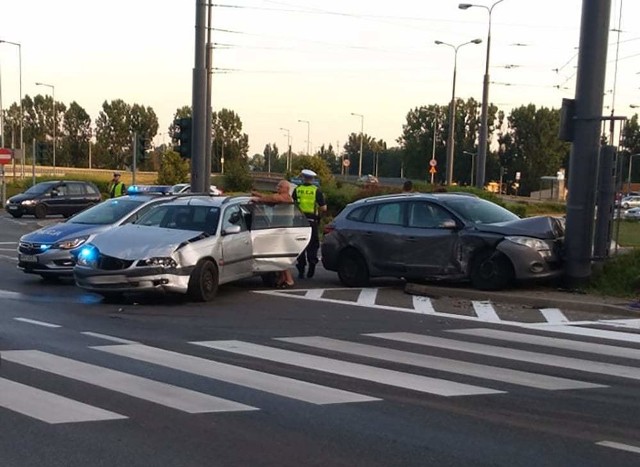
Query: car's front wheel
{"points": [[491, 270], [352, 269], [203, 283], [625, 205]]}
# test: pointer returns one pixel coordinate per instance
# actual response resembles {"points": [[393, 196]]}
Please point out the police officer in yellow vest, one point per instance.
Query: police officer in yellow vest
{"points": [[311, 202], [116, 187]]}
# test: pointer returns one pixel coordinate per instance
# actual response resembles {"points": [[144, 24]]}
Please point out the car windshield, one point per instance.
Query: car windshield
{"points": [[182, 217], [107, 212], [478, 211], [178, 188], [39, 188]]}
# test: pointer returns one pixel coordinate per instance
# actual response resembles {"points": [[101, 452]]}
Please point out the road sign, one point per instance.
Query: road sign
{"points": [[433, 162], [517, 175], [433, 169], [5, 156], [346, 162]]}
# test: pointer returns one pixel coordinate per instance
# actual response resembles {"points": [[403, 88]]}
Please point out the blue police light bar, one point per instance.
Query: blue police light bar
{"points": [[147, 189]]}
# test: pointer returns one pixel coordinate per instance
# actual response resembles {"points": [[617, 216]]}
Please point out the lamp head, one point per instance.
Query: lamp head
{"points": [[439, 42], [464, 6], [477, 41]]}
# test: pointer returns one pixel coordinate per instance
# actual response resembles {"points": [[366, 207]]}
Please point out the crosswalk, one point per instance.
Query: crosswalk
{"points": [[317, 370], [8, 252]]}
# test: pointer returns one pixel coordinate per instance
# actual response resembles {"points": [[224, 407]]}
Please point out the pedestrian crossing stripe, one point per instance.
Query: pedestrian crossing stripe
{"points": [[487, 379], [483, 311]]}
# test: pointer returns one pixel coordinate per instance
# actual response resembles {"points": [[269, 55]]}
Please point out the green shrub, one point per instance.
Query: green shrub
{"points": [[236, 177], [619, 276], [173, 169]]}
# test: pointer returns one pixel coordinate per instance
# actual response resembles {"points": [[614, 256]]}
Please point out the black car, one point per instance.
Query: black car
{"points": [[56, 197], [437, 236]]}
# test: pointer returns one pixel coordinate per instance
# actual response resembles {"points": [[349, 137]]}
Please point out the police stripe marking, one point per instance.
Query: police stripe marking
{"points": [[577, 364], [504, 375], [352, 370], [48, 407], [167, 395], [279, 385]]}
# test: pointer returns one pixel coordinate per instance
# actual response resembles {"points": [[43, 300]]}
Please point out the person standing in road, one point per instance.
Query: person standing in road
{"points": [[311, 202], [116, 187], [282, 195], [407, 186]]}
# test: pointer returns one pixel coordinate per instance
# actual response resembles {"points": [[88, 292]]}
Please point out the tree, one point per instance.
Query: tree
{"points": [[113, 135], [229, 143], [417, 140], [330, 158], [76, 125], [314, 163], [173, 169]]}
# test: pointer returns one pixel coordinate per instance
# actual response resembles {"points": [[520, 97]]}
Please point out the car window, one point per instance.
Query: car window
{"points": [[92, 190], [360, 213], [478, 211], [427, 215], [389, 213], [180, 217], [40, 188], [62, 190], [75, 189], [234, 216], [271, 216], [106, 212]]}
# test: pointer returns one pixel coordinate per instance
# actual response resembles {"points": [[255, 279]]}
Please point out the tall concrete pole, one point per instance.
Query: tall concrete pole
{"points": [[209, 65], [583, 164], [199, 104]]}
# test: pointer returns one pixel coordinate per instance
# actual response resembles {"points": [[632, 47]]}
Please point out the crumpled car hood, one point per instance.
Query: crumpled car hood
{"points": [[543, 227], [131, 242]]}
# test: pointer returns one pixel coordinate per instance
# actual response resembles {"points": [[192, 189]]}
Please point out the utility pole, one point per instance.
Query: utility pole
{"points": [[208, 136], [199, 104]]}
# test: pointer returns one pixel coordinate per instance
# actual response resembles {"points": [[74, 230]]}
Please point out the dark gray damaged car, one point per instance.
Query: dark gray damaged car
{"points": [[441, 236]]}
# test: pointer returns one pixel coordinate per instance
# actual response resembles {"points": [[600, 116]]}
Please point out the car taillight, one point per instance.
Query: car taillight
{"points": [[328, 229]]}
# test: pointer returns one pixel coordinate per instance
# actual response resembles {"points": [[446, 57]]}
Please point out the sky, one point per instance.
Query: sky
{"points": [[314, 60]]}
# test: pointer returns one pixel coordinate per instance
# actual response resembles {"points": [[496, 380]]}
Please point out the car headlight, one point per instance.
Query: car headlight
{"points": [[70, 243], [28, 202], [87, 256], [159, 261], [531, 242]]}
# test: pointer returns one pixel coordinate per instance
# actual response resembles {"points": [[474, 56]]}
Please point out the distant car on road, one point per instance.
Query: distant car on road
{"points": [[56, 197], [632, 214], [367, 180], [191, 245], [439, 236], [186, 188], [630, 202], [47, 251]]}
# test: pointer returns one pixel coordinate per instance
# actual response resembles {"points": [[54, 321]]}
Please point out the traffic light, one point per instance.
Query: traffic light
{"points": [[41, 152], [141, 148], [183, 136]]}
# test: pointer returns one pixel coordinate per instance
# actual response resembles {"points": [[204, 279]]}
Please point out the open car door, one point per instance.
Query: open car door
{"points": [[279, 233]]}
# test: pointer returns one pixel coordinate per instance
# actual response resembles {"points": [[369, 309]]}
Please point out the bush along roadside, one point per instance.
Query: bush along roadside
{"points": [[618, 277]]}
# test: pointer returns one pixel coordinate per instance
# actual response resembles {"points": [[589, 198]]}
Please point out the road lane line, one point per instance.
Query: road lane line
{"points": [[423, 305], [554, 315], [566, 344], [506, 353], [621, 323], [504, 375], [108, 338], [367, 297], [279, 385], [167, 395], [12, 258], [620, 446], [37, 323], [48, 407], [398, 379], [485, 311], [586, 332], [8, 243], [8, 249]]}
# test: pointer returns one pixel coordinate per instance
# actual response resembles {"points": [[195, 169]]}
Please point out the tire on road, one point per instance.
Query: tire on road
{"points": [[491, 270], [352, 269], [40, 211], [203, 283]]}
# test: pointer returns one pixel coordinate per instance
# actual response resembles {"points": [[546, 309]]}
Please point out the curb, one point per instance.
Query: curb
{"points": [[568, 301]]}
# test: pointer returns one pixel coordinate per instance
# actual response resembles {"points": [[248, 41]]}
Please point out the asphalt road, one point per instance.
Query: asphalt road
{"points": [[315, 376]]}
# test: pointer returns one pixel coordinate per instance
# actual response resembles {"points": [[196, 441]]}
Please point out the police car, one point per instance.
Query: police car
{"points": [[47, 251]]}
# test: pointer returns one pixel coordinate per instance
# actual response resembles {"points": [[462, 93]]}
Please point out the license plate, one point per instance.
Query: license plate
{"points": [[12, 208], [28, 258]]}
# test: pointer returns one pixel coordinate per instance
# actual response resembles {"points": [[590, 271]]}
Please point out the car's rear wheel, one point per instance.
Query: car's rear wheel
{"points": [[352, 269], [40, 211], [203, 283], [491, 270], [625, 205]]}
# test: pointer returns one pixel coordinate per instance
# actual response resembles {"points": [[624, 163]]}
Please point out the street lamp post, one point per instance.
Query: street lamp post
{"points": [[17, 44], [484, 118], [289, 147], [452, 107], [53, 98], [361, 141], [473, 161], [308, 135], [631, 156]]}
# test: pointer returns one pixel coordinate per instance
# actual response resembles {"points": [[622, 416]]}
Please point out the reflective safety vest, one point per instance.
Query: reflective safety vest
{"points": [[306, 198], [116, 190]]}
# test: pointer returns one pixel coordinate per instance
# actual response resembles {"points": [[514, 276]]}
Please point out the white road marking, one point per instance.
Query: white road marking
{"points": [[367, 297], [577, 364], [314, 294], [485, 311], [352, 370], [620, 446], [8, 249], [423, 305], [279, 385], [566, 344], [11, 258], [108, 338], [505, 375], [554, 315], [621, 323], [11, 295], [38, 323], [586, 332], [8, 243], [167, 395], [48, 407]]}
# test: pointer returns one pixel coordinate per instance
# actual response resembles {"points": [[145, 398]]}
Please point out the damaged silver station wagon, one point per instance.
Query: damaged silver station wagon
{"points": [[192, 245], [441, 236]]}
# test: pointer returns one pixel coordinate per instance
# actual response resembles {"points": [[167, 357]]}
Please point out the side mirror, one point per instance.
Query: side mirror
{"points": [[449, 224], [232, 229]]}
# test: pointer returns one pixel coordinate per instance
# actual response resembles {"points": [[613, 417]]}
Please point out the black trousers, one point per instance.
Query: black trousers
{"points": [[310, 254]]}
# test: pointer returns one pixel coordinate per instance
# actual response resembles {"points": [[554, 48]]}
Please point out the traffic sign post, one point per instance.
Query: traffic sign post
{"points": [[6, 156], [432, 169]]}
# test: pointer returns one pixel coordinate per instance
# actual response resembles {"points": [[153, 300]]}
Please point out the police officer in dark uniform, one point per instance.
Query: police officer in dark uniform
{"points": [[311, 202]]}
